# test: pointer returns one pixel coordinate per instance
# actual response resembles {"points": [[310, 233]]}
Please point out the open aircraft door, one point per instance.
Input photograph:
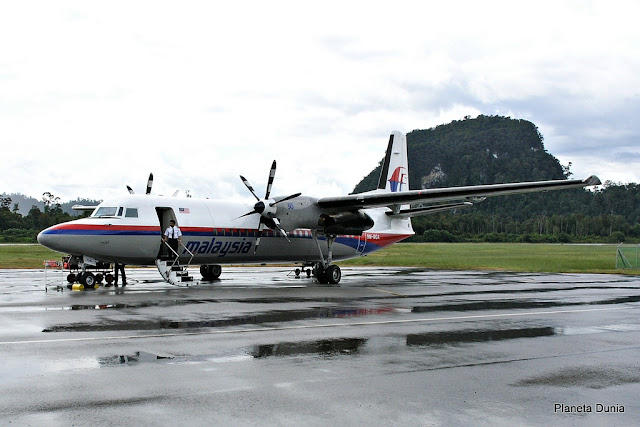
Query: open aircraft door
{"points": [[164, 216]]}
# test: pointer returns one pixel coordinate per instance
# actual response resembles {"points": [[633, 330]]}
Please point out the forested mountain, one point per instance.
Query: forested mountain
{"points": [[494, 149], [485, 150]]}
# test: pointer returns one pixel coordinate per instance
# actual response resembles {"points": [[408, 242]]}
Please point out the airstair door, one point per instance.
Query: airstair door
{"points": [[164, 216]]}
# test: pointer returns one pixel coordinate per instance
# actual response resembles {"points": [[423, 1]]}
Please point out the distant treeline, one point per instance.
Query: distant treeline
{"points": [[17, 228]]}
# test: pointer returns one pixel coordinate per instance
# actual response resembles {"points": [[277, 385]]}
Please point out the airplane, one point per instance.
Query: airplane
{"points": [[310, 231]]}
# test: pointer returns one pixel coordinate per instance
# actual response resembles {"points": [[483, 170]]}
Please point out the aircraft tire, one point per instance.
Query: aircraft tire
{"points": [[211, 271], [215, 271], [79, 277], [321, 274], [71, 277], [204, 272], [89, 279], [333, 274], [99, 278]]}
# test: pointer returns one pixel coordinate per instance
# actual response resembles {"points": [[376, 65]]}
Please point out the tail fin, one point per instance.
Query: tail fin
{"points": [[395, 169]]}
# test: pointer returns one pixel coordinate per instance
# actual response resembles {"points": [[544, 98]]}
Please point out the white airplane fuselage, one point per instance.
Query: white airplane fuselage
{"points": [[213, 231]]}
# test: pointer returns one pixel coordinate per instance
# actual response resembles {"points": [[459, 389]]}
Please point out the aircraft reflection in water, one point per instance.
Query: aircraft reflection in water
{"points": [[312, 232], [346, 346]]}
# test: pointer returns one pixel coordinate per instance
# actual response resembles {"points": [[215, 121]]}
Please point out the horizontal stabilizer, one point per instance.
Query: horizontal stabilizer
{"points": [[83, 208]]}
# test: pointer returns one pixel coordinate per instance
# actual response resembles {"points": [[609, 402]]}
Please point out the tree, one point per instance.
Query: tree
{"points": [[51, 202], [5, 202]]}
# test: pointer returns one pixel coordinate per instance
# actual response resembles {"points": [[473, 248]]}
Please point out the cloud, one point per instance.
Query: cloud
{"points": [[94, 96]]}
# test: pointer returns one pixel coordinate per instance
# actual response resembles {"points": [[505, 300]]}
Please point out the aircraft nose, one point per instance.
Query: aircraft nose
{"points": [[47, 238]]}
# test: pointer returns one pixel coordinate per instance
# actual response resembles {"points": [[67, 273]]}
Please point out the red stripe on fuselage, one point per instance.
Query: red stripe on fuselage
{"points": [[68, 226]]}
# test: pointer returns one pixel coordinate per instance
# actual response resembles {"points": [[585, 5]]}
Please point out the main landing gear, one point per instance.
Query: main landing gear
{"points": [[324, 271], [210, 272], [330, 274]]}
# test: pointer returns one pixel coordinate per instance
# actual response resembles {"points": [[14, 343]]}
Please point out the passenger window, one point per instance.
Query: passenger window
{"points": [[120, 211], [132, 213]]}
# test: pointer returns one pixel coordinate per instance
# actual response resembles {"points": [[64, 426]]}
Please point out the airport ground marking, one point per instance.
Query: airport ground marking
{"points": [[321, 326]]}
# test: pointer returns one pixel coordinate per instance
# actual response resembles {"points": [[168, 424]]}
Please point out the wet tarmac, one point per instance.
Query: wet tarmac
{"points": [[385, 346]]}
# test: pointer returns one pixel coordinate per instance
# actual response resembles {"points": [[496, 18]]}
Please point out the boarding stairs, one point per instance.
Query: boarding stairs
{"points": [[172, 271]]}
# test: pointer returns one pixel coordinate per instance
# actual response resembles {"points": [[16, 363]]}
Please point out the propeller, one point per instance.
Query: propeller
{"points": [[266, 207], [149, 185]]}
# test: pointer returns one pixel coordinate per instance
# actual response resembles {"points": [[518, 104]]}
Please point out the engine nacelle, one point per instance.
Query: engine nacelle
{"points": [[348, 222]]}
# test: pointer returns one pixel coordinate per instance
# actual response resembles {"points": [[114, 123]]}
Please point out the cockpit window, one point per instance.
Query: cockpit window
{"points": [[105, 211], [120, 211], [132, 213]]}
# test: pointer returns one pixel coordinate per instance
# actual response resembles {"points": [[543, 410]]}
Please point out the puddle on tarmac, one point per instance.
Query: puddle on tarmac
{"points": [[517, 304], [279, 316], [456, 337], [329, 347], [131, 359]]}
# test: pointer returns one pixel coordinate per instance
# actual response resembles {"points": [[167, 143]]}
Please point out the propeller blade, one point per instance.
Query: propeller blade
{"points": [[272, 174], [277, 224], [247, 214], [149, 183], [284, 199], [130, 190], [249, 187], [260, 228]]}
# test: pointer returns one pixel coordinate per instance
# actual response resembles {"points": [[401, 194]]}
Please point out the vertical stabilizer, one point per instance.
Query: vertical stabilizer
{"points": [[395, 169]]}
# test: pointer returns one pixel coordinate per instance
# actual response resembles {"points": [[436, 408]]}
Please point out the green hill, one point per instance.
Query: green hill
{"points": [[484, 150], [494, 149]]}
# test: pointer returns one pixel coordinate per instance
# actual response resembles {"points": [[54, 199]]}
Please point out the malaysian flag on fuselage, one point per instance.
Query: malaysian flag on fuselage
{"points": [[183, 210]]}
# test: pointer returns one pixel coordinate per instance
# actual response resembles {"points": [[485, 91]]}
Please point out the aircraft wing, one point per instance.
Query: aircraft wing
{"points": [[434, 195]]}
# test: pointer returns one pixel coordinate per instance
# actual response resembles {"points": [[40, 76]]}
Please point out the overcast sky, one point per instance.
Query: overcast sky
{"points": [[94, 95]]}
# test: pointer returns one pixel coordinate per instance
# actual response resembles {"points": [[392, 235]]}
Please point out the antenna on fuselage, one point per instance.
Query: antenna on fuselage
{"points": [[130, 190], [149, 183]]}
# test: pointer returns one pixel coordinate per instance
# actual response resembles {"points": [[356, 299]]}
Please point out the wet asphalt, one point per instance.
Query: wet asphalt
{"points": [[385, 346]]}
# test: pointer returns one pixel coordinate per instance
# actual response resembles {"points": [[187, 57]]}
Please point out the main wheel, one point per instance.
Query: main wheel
{"points": [[215, 271], [204, 272], [71, 277], [320, 273], [210, 272], [333, 274]]}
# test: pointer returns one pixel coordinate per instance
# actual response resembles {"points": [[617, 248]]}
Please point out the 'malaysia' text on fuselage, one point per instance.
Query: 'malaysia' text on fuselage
{"points": [[218, 247]]}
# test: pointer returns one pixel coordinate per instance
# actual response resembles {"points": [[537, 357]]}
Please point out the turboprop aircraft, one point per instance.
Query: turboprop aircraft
{"points": [[310, 231]]}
